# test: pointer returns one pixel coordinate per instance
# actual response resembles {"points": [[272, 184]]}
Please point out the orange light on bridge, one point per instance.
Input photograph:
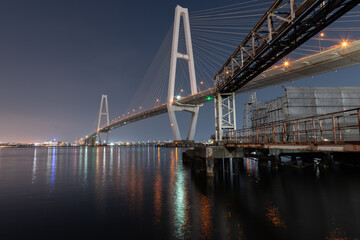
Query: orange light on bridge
{"points": [[322, 34], [344, 43], [286, 63], [201, 82]]}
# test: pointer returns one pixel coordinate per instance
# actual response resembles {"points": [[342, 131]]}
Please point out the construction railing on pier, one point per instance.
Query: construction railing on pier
{"points": [[337, 128]]}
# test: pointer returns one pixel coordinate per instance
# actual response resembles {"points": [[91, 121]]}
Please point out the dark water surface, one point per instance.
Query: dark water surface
{"points": [[147, 193]]}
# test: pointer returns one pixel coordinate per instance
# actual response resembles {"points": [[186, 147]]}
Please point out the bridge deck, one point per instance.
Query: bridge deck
{"points": [[326, 61]]}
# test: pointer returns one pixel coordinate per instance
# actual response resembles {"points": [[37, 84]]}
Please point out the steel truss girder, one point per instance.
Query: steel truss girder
{"points": [[285, 26], [225, 114]]}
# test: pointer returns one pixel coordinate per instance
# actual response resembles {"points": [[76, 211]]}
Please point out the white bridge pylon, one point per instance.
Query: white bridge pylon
{"points": [[189, 57], [102, 113]]}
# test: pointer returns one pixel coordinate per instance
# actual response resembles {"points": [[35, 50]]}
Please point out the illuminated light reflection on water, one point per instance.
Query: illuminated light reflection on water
{"points": [[147, 193], [34, 168]]}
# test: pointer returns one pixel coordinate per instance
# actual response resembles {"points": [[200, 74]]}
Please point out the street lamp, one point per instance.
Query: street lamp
{"points": [[321, 35]]}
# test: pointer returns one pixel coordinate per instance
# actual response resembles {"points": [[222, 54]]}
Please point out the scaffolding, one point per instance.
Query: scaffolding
{"points": [[250, 108], [299, 102]]}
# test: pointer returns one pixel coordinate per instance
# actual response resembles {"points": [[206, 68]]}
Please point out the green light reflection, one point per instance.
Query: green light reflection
{"points": [[180, 205]]}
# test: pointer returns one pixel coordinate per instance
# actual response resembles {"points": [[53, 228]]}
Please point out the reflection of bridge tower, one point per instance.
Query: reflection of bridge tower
{"points": [[104, 111], [189, 57]]}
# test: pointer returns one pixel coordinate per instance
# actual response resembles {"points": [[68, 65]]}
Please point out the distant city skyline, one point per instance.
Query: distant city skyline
{"points": [[58, 58]]}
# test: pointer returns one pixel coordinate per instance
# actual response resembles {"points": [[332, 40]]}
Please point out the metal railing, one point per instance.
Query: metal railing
{"points": [[337, 127]]}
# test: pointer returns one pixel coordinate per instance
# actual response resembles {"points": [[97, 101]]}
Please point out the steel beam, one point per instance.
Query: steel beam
{"points": [[284, 27], [225, 114]]}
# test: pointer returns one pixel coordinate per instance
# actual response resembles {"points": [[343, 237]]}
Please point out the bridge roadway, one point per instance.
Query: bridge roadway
{"points": [[326, 61]]}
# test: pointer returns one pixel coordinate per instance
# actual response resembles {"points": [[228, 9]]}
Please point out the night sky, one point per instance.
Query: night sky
{"points": [[58, 57]]}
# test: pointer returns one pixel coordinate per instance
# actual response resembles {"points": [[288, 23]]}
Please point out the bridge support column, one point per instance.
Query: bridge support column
{"points": [[193, 109], [103, 111], [225, 114], [172, 105]]}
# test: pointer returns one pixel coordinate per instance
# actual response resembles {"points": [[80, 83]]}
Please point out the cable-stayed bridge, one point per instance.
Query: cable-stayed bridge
{"points": [[284, 27]]}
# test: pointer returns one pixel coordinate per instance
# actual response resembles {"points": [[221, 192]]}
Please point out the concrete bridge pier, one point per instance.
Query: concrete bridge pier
{"points": [[208, 158], [210, 166], [226, 154]]}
